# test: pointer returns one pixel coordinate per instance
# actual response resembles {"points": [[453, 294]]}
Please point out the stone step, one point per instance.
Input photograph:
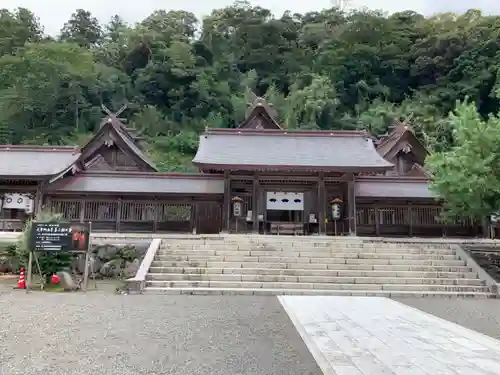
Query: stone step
{"points": [[311, 279], [322, 286], [295, 250], [262, 239], [315, 266], [311, 272], [265, 259], [298, 245], [245, 255], [273, 292]]}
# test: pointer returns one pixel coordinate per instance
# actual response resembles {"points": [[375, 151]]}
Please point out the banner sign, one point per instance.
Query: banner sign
{"points": [[60, 236]]}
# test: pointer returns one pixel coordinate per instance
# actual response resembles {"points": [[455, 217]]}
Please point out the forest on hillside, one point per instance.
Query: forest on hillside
{"points": [[321, 70]]}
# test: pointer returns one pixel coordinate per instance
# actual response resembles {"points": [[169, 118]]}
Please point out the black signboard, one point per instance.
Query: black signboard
{"points": [[60, 236]]}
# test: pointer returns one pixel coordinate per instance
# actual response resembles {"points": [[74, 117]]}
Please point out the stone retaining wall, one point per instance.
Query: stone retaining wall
{"points": [[488, 258], [110, 258]]}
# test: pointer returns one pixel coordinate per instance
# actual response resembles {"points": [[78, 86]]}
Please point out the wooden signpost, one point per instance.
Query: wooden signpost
{"points": [[57, 237]]}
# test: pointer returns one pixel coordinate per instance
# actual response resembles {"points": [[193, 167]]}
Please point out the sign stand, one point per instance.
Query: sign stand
{"points": [[91, 272], [86, 272], [33, 256], [28, 276], [55, 237]]}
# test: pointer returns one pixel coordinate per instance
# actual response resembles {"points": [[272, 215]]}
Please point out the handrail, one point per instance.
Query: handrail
{"points": [[138, 282]]}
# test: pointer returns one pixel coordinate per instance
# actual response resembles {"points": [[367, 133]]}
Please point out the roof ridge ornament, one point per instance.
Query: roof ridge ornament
{"points": [[260, 101], [110, 115]]}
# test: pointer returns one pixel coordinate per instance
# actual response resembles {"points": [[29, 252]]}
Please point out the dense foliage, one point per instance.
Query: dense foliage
{"points": [[321, 70]]}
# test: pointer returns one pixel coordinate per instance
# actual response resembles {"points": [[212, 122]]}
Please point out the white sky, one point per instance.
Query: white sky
{"points": [[53, 16]]}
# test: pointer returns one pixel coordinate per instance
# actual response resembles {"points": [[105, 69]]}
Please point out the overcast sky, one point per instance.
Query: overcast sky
{"points": [[54, 15]]}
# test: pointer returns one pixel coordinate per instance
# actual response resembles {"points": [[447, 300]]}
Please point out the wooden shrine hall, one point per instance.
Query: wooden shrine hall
{"points": [[258, 178]]}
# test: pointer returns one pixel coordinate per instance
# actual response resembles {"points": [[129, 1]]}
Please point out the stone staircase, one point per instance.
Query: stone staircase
{"points": [[272, 265]]}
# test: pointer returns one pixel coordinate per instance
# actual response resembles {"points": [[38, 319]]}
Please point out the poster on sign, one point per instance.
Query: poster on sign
{"points": [[48, 236]]}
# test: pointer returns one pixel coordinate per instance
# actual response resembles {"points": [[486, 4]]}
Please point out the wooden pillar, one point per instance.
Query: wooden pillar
{"points": [[321, 204], [193, 219], [155, 215], [82, 210], [227, 202], [255, 203], [119, 215], [351, 203], [484, 225], [38, 201], [377, 219], [410, 219]]}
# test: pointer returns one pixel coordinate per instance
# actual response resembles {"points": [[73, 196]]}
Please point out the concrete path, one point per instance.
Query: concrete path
{"points": [[373, 336]]}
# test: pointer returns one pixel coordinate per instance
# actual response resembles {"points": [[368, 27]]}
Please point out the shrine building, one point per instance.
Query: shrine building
{"points": [[257, 178]]}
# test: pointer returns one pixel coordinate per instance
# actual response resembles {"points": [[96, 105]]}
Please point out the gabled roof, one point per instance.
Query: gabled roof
{"points": [[260, 116], [418, 171], [139, 182], [113, 130], [402, 138], [288, 150], [35, 162]]}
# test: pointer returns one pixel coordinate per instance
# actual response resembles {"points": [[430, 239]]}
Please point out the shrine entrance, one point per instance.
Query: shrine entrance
{"points": [[285, 213]]}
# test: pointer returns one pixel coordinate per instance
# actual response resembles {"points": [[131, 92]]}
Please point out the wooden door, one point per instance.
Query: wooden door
{"points": [[208, 218]]}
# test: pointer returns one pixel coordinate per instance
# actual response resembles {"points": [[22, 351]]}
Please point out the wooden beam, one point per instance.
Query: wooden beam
{"points": [[82, 208], [119, 216], [121, 110], [321, 204], [283, 178], [106, 110], [255, 202], [410, 220], [351, 205], [227, 202], [38, 201]]}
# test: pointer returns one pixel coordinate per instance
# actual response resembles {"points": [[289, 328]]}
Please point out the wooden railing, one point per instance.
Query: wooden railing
{"points": [[127, 216], [411, 221]]}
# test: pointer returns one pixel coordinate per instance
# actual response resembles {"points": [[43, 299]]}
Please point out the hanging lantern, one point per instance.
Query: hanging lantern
{"points": [[237, 206], [336, 206]]}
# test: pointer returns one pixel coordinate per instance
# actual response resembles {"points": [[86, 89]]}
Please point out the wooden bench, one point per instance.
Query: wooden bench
{"points": [[294, 229]]}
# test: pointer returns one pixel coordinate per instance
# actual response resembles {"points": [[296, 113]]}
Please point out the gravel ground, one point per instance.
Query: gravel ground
{"points": [[103, 333], [482, 315]]}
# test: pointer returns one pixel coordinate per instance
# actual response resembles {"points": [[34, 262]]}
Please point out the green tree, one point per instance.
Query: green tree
{"points": [[41, 89], [18, 28], [467, 176], [82, 29]]}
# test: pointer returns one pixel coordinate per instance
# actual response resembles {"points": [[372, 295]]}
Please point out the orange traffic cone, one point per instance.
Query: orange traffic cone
{"points": [[21, 284]]}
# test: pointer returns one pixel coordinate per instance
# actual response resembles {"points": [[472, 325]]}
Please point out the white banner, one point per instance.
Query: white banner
{"points": [[14, 200], [285, 201]]}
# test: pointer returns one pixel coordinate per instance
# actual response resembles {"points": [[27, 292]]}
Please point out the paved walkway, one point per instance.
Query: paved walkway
{"points": [[372, 336]]}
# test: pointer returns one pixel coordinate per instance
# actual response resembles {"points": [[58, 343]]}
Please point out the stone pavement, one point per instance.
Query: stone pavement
{"points": [[372, 336]]}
